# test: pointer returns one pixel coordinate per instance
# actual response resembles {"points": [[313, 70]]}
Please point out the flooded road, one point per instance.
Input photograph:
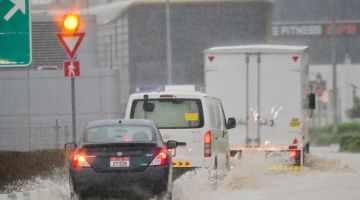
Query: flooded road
{"points": [[328, 175]]}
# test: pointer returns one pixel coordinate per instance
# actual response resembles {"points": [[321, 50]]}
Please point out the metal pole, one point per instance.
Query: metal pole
{"points": [[57, 135], [333, 58], [73, 111], [28, 108], [168, 42], [258, 100], [247, 60]]}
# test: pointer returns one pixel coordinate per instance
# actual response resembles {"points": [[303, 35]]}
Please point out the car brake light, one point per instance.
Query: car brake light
{"points": [[79, 161], [161, 158], [293, 153], [207, 144]]}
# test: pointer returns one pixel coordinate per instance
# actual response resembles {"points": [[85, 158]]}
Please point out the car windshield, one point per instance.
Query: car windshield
{"points": [[170, 113], [120, 134]]}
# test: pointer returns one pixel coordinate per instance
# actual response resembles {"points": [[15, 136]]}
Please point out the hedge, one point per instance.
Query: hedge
{"points": [[324, 136], [350, 143]]}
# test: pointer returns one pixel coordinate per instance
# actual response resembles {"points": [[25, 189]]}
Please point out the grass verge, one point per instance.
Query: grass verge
{"points": [[23, 166]]}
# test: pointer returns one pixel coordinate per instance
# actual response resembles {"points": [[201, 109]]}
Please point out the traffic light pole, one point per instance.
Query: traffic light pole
{"points": [[70, 26], [73, 110]]}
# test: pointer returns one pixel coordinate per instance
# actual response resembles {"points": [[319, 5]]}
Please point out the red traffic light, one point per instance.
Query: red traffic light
{"points": [[71, 22]]}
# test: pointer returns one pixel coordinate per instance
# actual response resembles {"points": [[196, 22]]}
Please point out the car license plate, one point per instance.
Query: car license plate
{"points": [[119, 162]]}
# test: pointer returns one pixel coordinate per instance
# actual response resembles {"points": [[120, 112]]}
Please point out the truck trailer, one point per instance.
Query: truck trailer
{"points": [[266, 88]]}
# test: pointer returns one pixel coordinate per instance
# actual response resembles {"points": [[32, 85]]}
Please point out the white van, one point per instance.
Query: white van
{"points": [[185, 115]]}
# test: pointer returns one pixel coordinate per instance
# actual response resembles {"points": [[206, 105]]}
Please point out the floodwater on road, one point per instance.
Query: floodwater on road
{"points": [[328, 175]]}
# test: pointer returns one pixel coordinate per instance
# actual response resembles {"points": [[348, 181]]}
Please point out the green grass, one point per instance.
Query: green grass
{"points": [[22, 166]]}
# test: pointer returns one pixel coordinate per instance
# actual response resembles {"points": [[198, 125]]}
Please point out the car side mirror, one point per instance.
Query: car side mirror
{"points": [[312, 101], [70, 146], [171, 144], [231, 123]]}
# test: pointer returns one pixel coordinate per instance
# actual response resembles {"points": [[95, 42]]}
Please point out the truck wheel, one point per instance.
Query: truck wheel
{"points": [[307, 148], [227, 163]]}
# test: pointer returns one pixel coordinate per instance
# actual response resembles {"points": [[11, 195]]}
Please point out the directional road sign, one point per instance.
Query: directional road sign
{"points": [[15, 33]]}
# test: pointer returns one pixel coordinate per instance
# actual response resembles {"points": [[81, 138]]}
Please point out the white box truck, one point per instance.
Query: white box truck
{"points": [[265, 87]]}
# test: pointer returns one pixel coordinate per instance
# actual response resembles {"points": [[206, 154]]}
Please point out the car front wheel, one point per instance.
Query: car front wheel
{"points": [[165, 196], [75, 196]]}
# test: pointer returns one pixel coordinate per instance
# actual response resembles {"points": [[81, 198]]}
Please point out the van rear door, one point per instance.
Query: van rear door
{"points": [[180, 119]]}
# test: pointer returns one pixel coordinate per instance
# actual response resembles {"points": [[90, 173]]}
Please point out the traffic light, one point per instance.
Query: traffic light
{"points": [[71, 23]]}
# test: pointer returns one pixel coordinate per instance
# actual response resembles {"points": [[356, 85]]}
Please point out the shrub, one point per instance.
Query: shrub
{"points": [[350, 143], [324, 136]]}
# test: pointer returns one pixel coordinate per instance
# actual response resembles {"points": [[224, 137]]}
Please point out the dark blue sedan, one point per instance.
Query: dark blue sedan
{"points": [[121, 158]]}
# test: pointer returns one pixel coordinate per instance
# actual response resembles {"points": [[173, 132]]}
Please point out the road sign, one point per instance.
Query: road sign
{"points": [[15, 33], [211, 58], [72, 68], [71, 42]]}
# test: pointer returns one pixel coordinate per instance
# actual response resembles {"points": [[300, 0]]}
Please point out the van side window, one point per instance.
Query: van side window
{"points": [[220, 115], [223, 115], [211, 108]]}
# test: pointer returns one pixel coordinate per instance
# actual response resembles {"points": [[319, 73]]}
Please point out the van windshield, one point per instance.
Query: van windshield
{"points": [[169, 113]]}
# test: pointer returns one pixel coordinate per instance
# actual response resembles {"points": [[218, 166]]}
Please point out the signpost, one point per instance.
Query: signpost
{"points": [[72, 68], [71, 39], [15, 33]]}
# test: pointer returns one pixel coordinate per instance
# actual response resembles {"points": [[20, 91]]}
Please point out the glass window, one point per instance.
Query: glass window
{"points": [[119, 134], [212, 114], [171, 113], [218, 116]]}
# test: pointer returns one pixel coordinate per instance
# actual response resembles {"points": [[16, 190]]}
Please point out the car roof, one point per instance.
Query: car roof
{"points": [[107, 122]]}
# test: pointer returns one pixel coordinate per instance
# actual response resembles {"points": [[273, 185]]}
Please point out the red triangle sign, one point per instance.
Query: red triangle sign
{"points": [[70, 42], [211, 58], [295, 58]]}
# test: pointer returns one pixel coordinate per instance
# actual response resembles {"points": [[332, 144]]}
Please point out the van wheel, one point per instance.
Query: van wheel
{"points": [[214, 174], [215, 164]]}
